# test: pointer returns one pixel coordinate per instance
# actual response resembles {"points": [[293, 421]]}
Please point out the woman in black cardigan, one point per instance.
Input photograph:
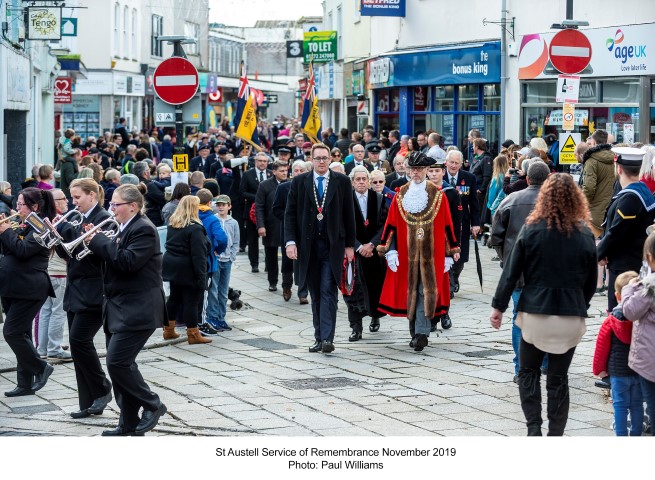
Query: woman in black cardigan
{"points": [[556, 254], [24, 286], [185, 267]]}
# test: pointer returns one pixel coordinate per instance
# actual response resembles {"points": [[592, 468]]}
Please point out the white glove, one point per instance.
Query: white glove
{"points": [[392, 260], [448, 264], [237, 162]]}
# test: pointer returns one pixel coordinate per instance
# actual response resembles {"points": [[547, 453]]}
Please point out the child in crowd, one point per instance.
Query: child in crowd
{"points": [[611, 357], [225, 259], [639, 307]]}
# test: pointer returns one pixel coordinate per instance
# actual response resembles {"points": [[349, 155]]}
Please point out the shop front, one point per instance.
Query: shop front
{"points": [[450, 90], [616, 86]]}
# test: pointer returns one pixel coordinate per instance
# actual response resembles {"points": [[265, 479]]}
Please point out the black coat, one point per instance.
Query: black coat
{"points": [[559, 271], [84, 277], [300, 220], [225, 178], [389, 179], [132, 277], [393, 151], [350, 165], [398, 183], [185, 259], [249, 185], [483, 167], [265, 216], [6, 204], [155, 201], [467, 187], [24, 266], [280, 205], [194, 165]]}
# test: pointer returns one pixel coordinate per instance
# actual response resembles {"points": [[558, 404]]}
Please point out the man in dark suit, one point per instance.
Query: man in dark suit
{"points": [[268, 226], [319, 230], [250, 182], [466, 185], [370, 217], [225, 171], [400, 172], [133, 308], [358, 160], [200, 163], [394, 138]]}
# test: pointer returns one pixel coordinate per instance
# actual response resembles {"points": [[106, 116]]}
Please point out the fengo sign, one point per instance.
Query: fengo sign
{"points": [[321, 47], [43, 23]]}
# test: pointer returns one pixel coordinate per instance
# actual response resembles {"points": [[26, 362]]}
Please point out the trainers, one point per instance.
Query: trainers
{"points": [[207, 330], [222, 324], [61, 357]]}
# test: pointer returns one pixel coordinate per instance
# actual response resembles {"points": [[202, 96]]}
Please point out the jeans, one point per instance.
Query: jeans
{"points": [[52, 319], [626, 395], [217, 305], [648, 391]]}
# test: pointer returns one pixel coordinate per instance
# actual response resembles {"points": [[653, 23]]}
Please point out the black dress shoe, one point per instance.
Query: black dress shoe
{"points": [[81, 414], [433, 324], [149, 419], [411, 343], [446, 323], [120, 432], [355, 336], [42, 378], [452, 295], [272, 288], [456, 287], [420, 342], [375, 325], [317, 347], [254, 270], [328, 346], [19, 392], [99, 404]]}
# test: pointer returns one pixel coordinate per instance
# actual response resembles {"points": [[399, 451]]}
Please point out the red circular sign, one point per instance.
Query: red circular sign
{"points": [[216, 97], [175, 80], [570, 51]]}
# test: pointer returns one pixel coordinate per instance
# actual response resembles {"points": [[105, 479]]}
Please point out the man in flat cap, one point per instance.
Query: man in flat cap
{"points": [[632, 210], [415, 246], [201, 163]]}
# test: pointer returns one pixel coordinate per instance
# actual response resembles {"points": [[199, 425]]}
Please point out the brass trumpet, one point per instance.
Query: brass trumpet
{"points": [[65, 218], [71, 246], [14, 224]]}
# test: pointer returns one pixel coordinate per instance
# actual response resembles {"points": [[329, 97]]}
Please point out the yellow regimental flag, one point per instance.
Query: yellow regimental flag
{"points": [[246, 129], [311, 117]]}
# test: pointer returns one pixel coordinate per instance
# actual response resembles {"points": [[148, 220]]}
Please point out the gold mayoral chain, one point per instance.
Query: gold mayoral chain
{"points": [[320, 216], [423, 219]]}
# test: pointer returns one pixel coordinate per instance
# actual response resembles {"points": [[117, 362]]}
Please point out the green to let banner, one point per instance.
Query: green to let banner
{"points": [[322, 45]]}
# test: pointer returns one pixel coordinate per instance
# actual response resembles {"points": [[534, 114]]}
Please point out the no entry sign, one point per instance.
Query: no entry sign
{"points": [[175, 80], [570, 51]]}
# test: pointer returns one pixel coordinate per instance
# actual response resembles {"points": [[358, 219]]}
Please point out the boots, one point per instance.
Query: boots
{"points": [[530, 393], [169, 331], [557, 387], [195, 337]]}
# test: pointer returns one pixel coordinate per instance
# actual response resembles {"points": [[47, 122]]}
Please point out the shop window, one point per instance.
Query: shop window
{"points": [[443, 124], [394, 105], [468, 98], [621, 91], [539, 92], [421, 99], [444, 98], [383, 101], [491, 97]]}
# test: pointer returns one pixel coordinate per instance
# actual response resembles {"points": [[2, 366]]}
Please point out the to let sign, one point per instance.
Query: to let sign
{"points": [[176, 80], [63, 90], [320, 47]]}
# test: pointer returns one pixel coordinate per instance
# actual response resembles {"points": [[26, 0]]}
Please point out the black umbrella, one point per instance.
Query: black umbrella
{"points": [[478, 264]]}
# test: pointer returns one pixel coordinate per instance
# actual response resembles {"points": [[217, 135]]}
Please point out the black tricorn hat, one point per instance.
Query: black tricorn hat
{"points": [[419, 159]]}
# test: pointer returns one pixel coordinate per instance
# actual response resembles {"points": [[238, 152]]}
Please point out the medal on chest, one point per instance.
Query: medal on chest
{"points": [[420, 233]]}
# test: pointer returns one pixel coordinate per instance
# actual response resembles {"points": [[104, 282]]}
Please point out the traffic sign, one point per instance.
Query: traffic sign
{"points": [[164, 117], [568, 117], [567, 143], [270, 97], [570, 51], [181, 162], [165, 112], [175, 80]]}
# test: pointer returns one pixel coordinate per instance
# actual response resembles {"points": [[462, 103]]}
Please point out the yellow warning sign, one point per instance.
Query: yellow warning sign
{"points": [[567, 143], [181, 162]]}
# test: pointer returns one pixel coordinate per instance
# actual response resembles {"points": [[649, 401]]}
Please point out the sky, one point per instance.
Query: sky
{"points": [[244, 13]]}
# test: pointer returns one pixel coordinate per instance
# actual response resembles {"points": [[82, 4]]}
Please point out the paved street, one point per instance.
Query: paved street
{"points": [[259, 378]]}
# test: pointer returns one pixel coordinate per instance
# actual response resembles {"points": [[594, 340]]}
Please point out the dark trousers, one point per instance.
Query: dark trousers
{"points": [[355, 320], [454, 273], [130, 389], [183, 303], [92, 382], [272, 267], [17, 330], [252, 238], [323, 290], [287, 270]]}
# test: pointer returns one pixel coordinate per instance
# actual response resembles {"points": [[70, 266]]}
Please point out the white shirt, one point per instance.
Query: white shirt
{"points": [[86, 215], [123, 226], [363, 199]]}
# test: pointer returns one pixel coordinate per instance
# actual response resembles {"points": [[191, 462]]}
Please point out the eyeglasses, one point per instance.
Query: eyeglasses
{"points": [[322, 159], [62, 199], [114, 205], [377, 182]]}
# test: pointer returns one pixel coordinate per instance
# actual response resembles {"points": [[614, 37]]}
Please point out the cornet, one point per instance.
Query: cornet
{"points": [[65, 218], [46, 235], [14, 224], [71, 246]]}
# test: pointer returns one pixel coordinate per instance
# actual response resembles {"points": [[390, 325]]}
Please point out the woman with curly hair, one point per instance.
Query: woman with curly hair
{"points": [[555, 253]]}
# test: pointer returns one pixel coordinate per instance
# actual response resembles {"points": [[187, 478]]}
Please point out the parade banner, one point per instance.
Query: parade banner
{"points": [[311, 117], [245, 120], [320, 47], [383, 8]]}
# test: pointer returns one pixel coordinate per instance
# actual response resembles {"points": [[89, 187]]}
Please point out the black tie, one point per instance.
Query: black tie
{"points": [[261, 176]]}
